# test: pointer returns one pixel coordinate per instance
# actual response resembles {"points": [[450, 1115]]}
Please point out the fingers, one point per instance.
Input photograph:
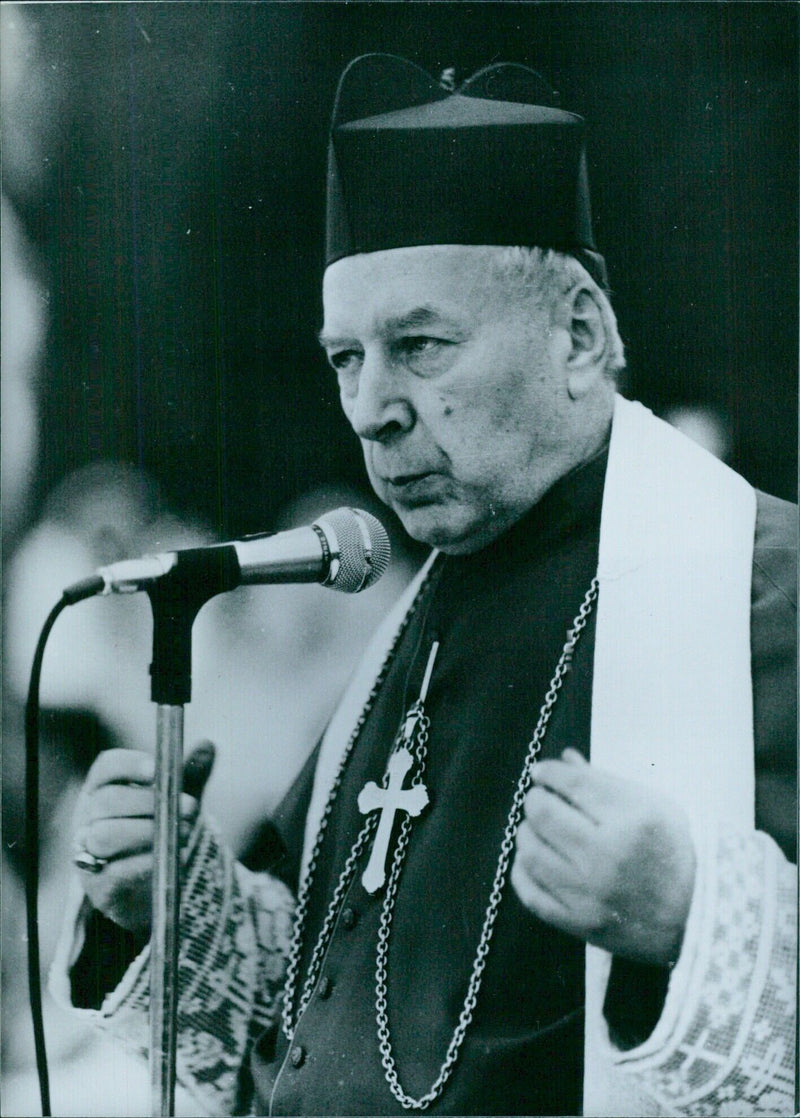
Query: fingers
{"points": [[121, 801], [116, 766], [114, 815], [573, 757], [559, 890], [197, 768], [554, 844], [577, 783], [556, 822], [539, 857], [122, 838], [116, 838], [119, 783], [133, 766], [536, 898], [114, 823]]}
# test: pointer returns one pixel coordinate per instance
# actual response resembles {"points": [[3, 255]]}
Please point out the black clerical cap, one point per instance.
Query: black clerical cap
{"points": [[493, 163]]}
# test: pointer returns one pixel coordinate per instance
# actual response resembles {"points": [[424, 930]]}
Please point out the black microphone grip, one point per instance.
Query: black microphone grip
{"points": [[198, 575]]}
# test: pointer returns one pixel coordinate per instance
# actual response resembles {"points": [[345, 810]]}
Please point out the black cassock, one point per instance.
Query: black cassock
{"points": [[501, 618]]}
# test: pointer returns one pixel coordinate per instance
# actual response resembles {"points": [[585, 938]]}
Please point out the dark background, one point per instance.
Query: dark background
{"points": [[180, 219]]}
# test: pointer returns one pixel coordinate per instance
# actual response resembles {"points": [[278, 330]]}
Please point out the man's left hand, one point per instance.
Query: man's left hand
{"points": [[605, 859]]}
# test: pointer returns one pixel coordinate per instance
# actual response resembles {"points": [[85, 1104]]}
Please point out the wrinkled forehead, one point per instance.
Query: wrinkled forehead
{"points": [[415, 283]]}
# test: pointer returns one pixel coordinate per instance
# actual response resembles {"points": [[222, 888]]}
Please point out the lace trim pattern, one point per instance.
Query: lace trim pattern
{"points": [[730, 1053], [733, 1053], [237, 929]]}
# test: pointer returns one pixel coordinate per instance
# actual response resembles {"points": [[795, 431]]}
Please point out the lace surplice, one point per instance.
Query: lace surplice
{"points": [[724, 1045]]}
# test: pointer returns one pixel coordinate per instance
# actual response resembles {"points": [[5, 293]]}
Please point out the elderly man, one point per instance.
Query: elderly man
{"points": [[528, 866]]}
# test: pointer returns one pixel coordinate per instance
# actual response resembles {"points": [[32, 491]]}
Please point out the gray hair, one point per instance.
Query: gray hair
{"points": [[549, 276]]}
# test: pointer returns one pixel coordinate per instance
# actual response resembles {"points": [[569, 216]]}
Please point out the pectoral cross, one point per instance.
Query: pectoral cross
{"points": [[391, 799]]}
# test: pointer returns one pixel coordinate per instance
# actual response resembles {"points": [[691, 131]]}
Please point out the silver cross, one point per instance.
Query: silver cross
{"points": [[391, 799]]}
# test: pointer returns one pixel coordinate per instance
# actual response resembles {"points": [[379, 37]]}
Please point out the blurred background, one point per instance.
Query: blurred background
{"points": [[163, 203]]}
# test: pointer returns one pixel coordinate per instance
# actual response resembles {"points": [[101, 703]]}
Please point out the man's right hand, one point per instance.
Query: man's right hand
{"points": [[114, 822]]}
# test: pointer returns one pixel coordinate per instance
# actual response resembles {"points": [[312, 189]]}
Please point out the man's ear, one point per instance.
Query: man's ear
{"points": [[588, 351]]}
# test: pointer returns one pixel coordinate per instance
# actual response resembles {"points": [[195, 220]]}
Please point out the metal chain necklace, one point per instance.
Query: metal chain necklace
{"points": [[304, 892], [414, 731]]}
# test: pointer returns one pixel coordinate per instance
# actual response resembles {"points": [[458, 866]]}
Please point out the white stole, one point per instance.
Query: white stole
{"points": [[672, 693], [672, 698]]}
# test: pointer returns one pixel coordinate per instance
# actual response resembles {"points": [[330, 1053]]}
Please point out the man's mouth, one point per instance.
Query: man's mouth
{"points": [[415, 489], [399, 481]]}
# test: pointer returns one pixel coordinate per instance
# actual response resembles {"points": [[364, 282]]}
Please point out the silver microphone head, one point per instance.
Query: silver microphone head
{"points": [[359, 547]]}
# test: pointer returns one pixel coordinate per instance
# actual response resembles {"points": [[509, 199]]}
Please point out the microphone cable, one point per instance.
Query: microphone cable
{"points": [[76, 593]]}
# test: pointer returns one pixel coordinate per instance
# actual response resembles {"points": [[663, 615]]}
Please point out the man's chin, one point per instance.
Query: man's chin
{"points": [[451, 531]]}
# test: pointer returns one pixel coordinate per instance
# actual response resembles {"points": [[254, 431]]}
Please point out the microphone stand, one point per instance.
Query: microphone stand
{"points": [[166, 910], [176, 599]]}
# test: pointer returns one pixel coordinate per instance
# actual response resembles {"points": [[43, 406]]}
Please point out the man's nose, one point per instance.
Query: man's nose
{"points": [[381, 408]]}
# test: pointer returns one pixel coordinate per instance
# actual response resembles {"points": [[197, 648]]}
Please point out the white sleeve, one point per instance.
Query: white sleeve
{"points": [[235, 933], [725, 1042]]}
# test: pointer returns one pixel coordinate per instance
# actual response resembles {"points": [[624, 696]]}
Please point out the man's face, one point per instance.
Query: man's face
{"points": [[446, 373]]}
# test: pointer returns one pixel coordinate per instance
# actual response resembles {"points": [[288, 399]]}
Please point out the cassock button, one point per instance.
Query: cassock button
{"points": [[349, 918], [325, 988], [298, 1056]]}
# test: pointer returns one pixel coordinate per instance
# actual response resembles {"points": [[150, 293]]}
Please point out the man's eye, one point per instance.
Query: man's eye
{"points": [[419, 344], [345, 360]]}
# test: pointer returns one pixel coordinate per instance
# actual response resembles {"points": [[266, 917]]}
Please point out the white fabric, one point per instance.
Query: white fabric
{"points": [[236, 934], [672, 692], [672, 695], [725, 1042]]}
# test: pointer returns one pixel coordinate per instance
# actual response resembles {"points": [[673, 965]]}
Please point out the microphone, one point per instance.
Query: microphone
{"points": [[346, 549]]}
